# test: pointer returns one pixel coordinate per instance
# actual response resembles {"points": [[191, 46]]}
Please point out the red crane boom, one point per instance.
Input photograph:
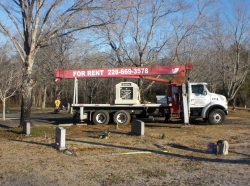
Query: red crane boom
{"points": [[128, 72]]}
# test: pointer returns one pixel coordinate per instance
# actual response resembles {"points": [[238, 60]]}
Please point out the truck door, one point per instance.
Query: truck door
{"points": [[199, 96]]}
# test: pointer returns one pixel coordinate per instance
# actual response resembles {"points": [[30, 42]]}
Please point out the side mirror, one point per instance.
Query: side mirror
{"points": [[205, 92]]}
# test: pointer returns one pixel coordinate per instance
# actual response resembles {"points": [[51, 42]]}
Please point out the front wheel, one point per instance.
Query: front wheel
{"points": [[101, 117], [216, 117], [122, 117]]}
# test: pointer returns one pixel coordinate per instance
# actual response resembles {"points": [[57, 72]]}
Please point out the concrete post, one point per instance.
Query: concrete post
{"points": [[68, 108], [60, 138], [26, 128]]}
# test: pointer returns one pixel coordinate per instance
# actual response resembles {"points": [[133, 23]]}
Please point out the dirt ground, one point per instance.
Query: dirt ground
{"points": [[181, 158]]}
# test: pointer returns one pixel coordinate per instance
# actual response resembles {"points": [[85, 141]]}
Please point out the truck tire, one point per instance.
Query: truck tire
{"points": [[216, 117], [122, 117], [101, 117]]}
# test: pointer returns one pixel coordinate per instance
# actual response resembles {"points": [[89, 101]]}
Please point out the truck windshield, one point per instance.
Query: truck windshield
{"points": [[197, 89]]}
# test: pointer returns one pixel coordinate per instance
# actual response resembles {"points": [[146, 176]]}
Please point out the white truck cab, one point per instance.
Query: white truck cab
{"points": [[204, 104]]}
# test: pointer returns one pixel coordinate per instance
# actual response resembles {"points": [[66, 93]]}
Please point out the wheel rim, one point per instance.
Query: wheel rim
{"points": [[217, 118], [101, 118], [121, 118]]}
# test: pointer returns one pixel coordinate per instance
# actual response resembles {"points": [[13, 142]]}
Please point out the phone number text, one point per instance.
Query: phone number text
{"points": [[128, 71]]}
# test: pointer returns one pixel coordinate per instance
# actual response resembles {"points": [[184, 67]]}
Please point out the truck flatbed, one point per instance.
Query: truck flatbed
{"points": [[116, 105]]}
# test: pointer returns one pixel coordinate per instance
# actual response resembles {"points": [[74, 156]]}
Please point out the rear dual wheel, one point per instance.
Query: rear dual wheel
{"points": [[122, 117], [101, 117]]}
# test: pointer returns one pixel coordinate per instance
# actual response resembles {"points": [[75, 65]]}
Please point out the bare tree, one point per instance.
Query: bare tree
{"points": [[145, 31], [37, 22], [244, 92], [230, 40], [10, 76], [240, 25], [187, 28], [139, 32], [57, 55]]}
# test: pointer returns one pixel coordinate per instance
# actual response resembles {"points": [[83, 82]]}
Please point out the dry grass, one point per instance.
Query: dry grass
{"points": [[127, 159]]}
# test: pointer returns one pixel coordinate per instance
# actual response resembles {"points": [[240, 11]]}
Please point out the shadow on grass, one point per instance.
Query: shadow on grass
{"points": [[173, 123], [242, 154], [14, 132], [4, 126], [33, 142], [181, 147], [188, 157]]}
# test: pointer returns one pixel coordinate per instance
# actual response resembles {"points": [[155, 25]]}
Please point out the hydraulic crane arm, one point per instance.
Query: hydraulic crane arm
{"points": [[128, 72]]}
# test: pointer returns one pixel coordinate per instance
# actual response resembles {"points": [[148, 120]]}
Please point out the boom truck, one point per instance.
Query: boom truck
{"points": [[183, 99]]}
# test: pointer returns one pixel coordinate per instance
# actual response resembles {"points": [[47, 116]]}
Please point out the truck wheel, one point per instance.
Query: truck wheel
{"points": [[101, 117], [122, 117], [216, 117]]}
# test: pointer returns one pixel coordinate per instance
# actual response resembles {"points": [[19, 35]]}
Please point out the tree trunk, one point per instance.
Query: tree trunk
{"points": [[234, 103], [140, 85], [26, 90], [33, 100], [25, 108], [38, 98], [44, 97], [4, 109]]}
